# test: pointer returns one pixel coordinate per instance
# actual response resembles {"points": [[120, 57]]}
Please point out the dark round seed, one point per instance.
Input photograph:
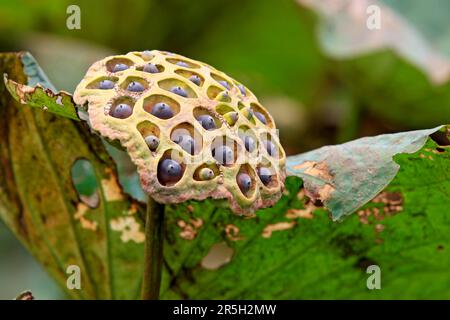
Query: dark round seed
{"points": [[120, 67], [260, 116], [244, 182], [106, 84], [179, 91], [187, 143], [152, 142], [135, 86], [270, 147], [122, 111], [150, 68], [182, 64], [225, 84], [249, 143], [223, 154], [207, 121], [265, 175], [196, 79], [169, 171], [242, 90], [162, 110]]}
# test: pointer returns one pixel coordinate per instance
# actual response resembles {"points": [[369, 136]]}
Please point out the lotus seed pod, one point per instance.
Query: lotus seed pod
{"points": [[154, 94], [152, 142]]}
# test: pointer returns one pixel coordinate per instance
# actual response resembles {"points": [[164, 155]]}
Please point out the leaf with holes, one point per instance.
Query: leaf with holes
{"points": [[345, 177], [39, 92], [61, 197], [294, 251]]}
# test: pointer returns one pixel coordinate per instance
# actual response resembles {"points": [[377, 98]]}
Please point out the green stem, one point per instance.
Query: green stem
{"points": [[154, 231]]}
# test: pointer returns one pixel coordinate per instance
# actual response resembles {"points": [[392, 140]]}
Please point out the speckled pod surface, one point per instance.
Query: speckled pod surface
{"points": [[123, 108]]}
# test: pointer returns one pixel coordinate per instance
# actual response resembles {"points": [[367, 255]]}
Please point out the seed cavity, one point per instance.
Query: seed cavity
{"points": [[118, 64], [150, 132], [161, 106], [183, 63], [170, 168], [177, 87], [122, 108]]}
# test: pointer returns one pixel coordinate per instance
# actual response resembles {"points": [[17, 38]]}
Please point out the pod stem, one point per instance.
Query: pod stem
{"points": [[153, 256]]}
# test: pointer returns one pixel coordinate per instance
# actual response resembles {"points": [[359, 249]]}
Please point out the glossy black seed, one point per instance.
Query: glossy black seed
{"points": [[244, 182], [265, 175], [135, 86], [270, 147], [169, 171], [196, 79], [225, 84], [162, 110], [106, 84], [182, 64], [187, 143], [260, 116], [223, 154], [120, 67], [249, 143], [207, 121], [152, 142], [242, 90], [179, 91], [122, 111], [150, 68]]}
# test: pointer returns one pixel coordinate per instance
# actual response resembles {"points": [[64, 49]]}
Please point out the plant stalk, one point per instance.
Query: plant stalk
{"points": [[153, 256]]}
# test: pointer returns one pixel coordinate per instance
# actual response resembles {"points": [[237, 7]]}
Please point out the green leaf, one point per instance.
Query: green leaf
{"points": [[404, 230], [346, 176], [39, 92], [40, 204]]}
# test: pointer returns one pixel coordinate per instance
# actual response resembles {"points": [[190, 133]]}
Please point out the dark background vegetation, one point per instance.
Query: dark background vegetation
{"points": [[270, 45]]}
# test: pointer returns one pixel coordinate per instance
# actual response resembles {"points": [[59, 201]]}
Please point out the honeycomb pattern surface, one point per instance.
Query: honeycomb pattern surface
{"points": [[192, 131]]}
